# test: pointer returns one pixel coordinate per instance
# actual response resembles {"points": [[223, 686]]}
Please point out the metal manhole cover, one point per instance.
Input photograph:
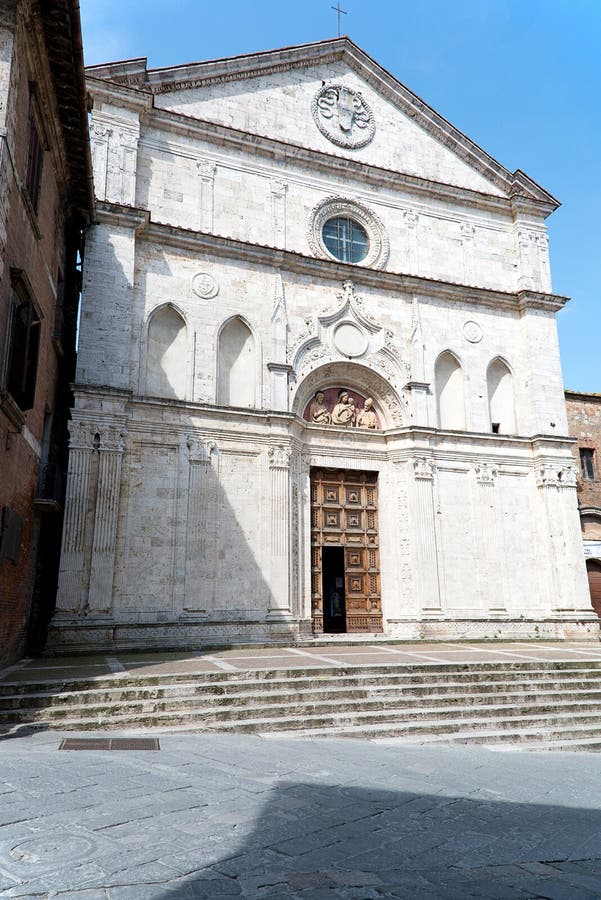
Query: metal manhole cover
{"points": [[109, 744]]}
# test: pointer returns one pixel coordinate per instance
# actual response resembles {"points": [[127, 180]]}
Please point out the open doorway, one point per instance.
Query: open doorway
{"points": [[334, 608]]}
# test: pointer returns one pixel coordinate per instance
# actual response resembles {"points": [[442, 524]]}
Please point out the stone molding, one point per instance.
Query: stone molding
{"points": [[254, 65], [326, 269], [379, 245]]}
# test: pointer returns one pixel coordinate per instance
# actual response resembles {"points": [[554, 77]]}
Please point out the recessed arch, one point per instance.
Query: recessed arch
{"points": [[167, 363], [236, 363], [355, 377], [450, 392], [501, 403]]}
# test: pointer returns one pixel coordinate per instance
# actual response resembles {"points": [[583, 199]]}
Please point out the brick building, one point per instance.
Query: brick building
{"points": [[45, 200], [584, 418]]}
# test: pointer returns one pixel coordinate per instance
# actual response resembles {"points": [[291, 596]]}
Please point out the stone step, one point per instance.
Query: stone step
{"points": [[331, 716], [308, 702], [190, 693], [465, 672]]}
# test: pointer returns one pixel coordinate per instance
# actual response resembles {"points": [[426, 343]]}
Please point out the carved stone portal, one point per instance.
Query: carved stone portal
{"points": [[342, 407]]}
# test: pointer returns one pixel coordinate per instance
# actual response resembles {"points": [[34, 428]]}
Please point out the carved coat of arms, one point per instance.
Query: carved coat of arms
{"points": [[343, 116]]}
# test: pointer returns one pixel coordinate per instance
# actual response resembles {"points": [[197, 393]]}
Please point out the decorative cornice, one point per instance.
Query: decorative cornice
{"points": [[291, 261], [515, 185], [287, 152]]}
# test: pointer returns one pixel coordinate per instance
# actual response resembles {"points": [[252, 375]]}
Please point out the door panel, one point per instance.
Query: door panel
{"points": [[344, 513]]}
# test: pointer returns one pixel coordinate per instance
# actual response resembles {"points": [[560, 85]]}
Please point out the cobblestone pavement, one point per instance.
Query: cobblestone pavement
{"points": [[218, 816], [330, 652]]}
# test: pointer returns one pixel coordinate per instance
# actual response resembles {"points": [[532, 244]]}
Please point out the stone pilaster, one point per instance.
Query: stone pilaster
{"points": [[202, 495], [552, 480], [72, 587], [102, 566], [279, 472], [412, 246], [278, 190], [489, 539], [206, 177], [468, 233], [425, 535]]}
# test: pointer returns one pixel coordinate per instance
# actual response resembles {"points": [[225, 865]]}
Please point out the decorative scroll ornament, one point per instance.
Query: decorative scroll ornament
{"points": [[200, 451], [343, 116], [113, 439], [556, 476], [485, 473], [279, 457], [423, 469]]}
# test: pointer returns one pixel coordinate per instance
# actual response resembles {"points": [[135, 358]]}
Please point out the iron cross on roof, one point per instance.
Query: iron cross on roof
{"points": [[338, 10]]}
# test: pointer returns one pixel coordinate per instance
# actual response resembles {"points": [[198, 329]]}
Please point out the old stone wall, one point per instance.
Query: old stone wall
{"points": [[213, 315]]}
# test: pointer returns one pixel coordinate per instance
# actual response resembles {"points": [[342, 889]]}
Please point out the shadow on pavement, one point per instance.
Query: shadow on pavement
{"points": [[314, 841]]}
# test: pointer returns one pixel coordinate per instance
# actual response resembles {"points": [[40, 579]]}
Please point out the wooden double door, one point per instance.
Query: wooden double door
{"points": [[345, 557]]}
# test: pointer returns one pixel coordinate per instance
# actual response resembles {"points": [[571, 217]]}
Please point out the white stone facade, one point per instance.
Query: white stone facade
{"points": [[212, 314]]}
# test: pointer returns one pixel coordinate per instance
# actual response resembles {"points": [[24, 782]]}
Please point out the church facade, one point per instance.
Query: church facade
{"points": [[318, 384]]}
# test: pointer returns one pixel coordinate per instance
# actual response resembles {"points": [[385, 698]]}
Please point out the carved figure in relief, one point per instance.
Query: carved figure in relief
{"points": [[367, 417], [319, 412], [344, 411]]}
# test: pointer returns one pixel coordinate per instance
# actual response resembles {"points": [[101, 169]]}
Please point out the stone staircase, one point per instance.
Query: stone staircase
{"points": [[547, 705]]}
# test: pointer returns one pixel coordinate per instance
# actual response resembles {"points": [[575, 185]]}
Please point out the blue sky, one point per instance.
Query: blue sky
{"points": [[522, 78]]}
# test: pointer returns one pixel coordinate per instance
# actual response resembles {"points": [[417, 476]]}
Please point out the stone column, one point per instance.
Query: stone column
{"points": [[202, 494], [489, 539], [424, 530], [72, 593], [279, 470], [206, 173], [102, 567]]}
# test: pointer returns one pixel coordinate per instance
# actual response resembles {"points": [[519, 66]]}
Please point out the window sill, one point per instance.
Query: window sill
{"points": [[10, 409], [33, 218]]}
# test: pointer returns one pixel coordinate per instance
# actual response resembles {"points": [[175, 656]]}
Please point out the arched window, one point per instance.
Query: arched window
{"points": [[450, 399], [237, 371], [500, 398], [167, 355]]}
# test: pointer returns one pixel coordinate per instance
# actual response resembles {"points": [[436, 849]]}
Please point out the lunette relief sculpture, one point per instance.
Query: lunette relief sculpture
{"points": [[343, 412]]}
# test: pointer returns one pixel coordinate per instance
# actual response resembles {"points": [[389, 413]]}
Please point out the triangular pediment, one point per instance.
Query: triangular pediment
{"points": [[330, 97]]}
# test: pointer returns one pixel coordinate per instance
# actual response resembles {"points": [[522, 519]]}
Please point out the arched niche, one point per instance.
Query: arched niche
{"points": [[590, 522], [360, 382], [167, 354], [450, 392], [501, 405], [236, 364]]}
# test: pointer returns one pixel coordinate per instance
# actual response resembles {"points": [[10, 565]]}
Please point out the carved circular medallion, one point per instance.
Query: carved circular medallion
{"points": [[350, 340], [472, 332], [343, 116], [204, 286]]}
